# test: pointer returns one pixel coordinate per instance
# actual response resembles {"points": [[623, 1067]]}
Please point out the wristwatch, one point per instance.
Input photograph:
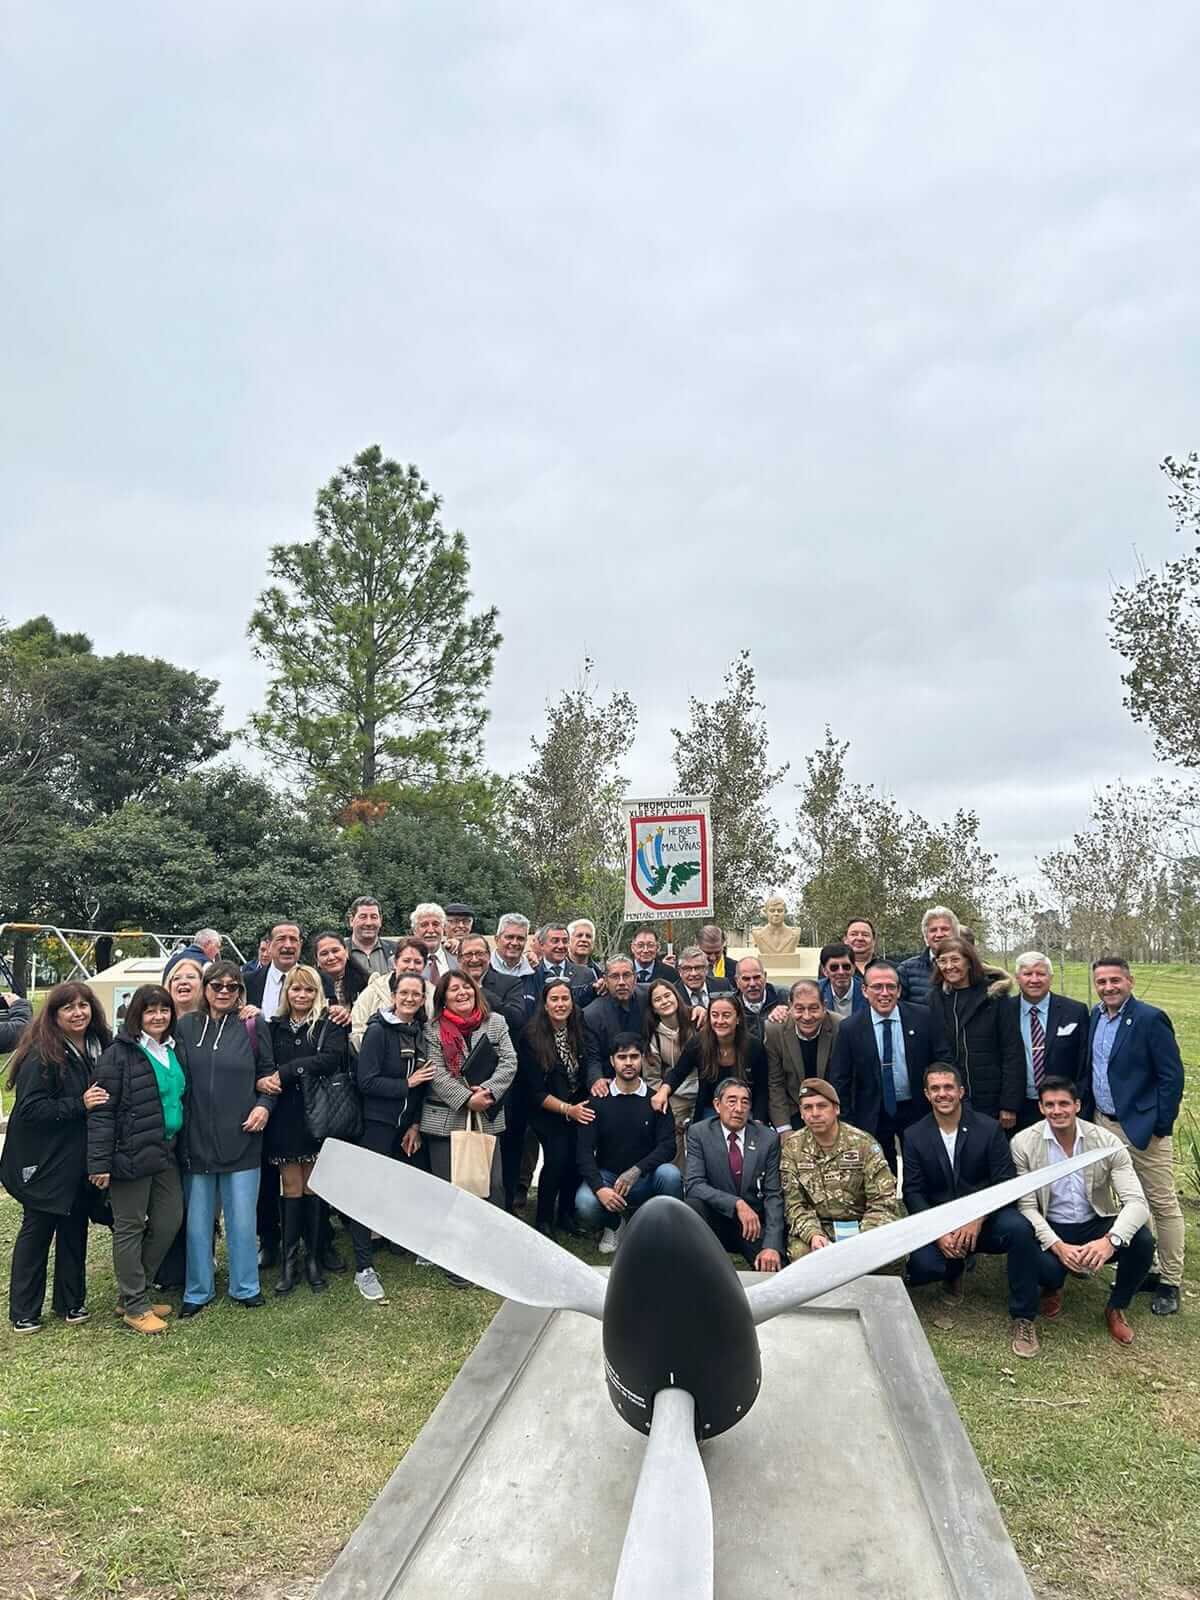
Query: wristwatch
{"points": [[1116, 1241]]}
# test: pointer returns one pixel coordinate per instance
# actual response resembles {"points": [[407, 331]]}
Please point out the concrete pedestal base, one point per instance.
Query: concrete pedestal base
{"points": [[851, 1476]]}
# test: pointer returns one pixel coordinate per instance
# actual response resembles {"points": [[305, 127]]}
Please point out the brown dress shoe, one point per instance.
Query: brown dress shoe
{"points": [[1117, 1326], [1024, 1338], [1052, 1305], [146, 1323]]}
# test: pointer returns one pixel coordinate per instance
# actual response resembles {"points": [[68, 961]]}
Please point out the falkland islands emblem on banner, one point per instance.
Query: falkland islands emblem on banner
{"points": [[668, 858]]}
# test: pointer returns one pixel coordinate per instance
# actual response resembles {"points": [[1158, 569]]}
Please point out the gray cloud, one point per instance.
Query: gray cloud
{"points": [[849, 334]]}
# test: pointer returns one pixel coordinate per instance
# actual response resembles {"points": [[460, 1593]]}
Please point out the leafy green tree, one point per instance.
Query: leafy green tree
{"points": [[128, 724], [723, 753], [131, 868], [1156, 627], [404, 860], [378, 667], [564, 817], [860, 854]]}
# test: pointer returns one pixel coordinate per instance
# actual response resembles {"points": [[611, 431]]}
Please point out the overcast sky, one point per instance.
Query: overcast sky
{"points": [[851, 333]]}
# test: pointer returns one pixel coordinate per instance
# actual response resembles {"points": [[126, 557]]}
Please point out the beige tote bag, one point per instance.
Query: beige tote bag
{"points": [[471, 1152]]}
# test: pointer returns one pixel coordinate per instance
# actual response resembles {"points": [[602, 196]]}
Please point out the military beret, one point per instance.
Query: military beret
{"points": [[823, 1087]]}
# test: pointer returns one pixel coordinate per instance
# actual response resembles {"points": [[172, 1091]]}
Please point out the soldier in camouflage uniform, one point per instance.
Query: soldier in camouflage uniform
{"points": [[831, 1172]]}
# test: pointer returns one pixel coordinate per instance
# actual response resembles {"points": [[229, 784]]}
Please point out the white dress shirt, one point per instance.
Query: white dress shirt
{"points": [[1068, 1200]]}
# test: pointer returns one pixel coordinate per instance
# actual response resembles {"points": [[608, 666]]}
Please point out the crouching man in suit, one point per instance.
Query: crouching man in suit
{"points": [[732, 1178], [953, 1152], [836, 1180], [1089, 1219]]}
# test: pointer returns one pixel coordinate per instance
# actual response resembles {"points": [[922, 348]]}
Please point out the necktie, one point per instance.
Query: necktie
{"points": [[1037, 1046], [889, 1077], [735, 1162], [558, 969]]}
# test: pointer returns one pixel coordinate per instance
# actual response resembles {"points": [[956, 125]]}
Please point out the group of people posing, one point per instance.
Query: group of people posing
{"points": [[780, 1118]]}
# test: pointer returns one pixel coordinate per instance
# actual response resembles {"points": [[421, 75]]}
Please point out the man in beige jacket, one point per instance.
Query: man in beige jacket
{"points": [[1090, 1218]]}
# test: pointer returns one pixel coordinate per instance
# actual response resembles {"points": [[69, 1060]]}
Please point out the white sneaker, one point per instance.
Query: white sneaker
{"points": [[423, 1261], [609, 1240], [368, 1285]]}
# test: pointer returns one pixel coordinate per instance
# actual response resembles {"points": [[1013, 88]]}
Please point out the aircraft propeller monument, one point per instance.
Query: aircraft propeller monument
{"points": [[681, 1355]]}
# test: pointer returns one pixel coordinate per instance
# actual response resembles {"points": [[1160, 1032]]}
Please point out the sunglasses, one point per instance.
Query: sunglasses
{"points": [[224, 988], [839, 966]]}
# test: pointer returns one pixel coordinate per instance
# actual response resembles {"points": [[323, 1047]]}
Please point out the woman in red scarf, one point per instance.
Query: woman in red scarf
{"points": [[474, 1065]]}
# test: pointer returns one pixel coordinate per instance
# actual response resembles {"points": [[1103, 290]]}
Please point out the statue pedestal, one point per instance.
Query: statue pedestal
{"points": [[853, 1420], [784, 970]]}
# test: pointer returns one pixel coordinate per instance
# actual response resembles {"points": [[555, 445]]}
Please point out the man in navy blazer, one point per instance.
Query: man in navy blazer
{"points": [[879, 1060], [557, 963], [1054, 1031], [1136, 1085], [953, 1152]]}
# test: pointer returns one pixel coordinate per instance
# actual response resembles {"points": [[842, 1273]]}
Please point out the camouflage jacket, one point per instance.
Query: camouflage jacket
{"points": [[850, 1182]]}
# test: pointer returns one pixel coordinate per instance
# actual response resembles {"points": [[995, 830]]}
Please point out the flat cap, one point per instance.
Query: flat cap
{"points": [[457, 909]]}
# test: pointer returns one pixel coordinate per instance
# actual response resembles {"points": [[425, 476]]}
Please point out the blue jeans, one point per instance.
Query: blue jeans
{"points": [[589, 1213], [239, 1203]]}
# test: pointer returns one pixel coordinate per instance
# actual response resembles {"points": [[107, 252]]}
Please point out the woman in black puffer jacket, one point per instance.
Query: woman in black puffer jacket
{"points": [[44, 1161], [131, 1143], [392, 1072], [981, 1032]]}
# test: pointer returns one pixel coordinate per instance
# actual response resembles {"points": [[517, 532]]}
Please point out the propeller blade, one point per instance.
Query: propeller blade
{"points": [[823, 1270], [669, 1554], [460, 1232]]}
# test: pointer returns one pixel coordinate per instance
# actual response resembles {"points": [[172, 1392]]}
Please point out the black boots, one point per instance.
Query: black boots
{"points": [[293, 1223], [313, 1208], [301, 1221]]}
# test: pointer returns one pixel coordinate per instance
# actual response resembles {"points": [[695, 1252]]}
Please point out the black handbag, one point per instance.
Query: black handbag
{"points": [[332, 1109]]}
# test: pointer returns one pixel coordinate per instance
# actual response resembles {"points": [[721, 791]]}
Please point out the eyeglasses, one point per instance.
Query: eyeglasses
{"points": [[224, 988]]}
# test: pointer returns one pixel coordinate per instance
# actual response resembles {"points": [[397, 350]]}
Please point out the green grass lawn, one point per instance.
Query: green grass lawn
{"points": [[235, 1455]]}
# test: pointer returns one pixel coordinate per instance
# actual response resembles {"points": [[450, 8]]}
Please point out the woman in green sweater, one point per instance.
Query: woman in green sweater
{"points": [[131, 1150]]}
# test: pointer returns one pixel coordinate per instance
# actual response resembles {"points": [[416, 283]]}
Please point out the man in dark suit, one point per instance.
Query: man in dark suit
{"points": [[620, 1010], [1136, 1087], [953, 1152], [511, 996], [647, 965], [762, 1002], [841, 984], [731, 1178], [879, 1060], [1054, 1031], [799, 1047], [695, 980], [556, 963]]}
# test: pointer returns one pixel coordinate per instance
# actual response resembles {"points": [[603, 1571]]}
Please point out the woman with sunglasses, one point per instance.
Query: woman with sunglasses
{"points": [[44, 1163], [131, 1150], [223, 1058]]}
